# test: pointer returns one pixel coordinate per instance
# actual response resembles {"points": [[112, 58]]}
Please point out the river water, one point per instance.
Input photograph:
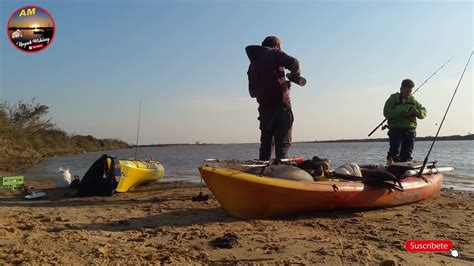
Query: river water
{"points": [[181, 161]]}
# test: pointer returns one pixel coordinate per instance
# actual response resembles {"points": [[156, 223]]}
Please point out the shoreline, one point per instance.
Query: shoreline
{"points": [[23, 167], [159, 223], [444, 187]]}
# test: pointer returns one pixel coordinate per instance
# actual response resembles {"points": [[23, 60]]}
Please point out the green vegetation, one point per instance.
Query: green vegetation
{"points": [[27, 136]]}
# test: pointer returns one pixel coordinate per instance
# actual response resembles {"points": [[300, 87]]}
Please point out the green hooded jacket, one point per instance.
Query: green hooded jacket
{"points": [[394, 108]]}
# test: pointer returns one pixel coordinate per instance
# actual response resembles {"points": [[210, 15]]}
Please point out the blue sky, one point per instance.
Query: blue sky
{"points": [[187, 62]]}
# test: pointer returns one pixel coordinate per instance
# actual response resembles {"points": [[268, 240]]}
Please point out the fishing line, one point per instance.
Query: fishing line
{"points": [[442, 121], [138, 127], [372, 132]]}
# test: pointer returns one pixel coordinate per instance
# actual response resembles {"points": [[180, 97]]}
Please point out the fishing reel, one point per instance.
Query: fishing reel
{"points": [[296, 78]]}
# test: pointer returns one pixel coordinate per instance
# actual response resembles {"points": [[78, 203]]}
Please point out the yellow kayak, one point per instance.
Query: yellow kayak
{"points": [[135, 173]]}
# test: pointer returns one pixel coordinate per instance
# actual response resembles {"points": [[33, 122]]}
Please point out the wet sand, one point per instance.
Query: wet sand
{"points": [[159, 223]]}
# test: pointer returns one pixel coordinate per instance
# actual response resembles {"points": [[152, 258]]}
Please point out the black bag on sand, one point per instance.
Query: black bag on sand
{"points": [[100, 179]]}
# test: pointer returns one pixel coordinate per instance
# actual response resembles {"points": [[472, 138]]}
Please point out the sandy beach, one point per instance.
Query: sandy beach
{"points": [[159, 223]]}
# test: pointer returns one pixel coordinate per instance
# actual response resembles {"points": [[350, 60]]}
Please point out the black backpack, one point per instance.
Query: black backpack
{"points": [[254, 79], [254, 53], [101, 178]]}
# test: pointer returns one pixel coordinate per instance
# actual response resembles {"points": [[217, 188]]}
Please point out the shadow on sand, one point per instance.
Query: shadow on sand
{"points": [[175, 218], [203, 216]]}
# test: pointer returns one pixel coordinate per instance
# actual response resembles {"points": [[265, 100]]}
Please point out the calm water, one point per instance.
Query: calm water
{"points": [[181, 162]]}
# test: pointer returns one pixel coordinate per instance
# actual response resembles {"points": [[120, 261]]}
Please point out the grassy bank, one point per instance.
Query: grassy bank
{"points": [[27, 136]]}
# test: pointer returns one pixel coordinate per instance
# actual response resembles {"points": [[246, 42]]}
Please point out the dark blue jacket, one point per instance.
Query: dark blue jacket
{"points": [[269, 65]]}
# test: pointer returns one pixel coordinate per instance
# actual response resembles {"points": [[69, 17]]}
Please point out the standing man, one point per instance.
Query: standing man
{"points": [[401, 111], [267, 83]]}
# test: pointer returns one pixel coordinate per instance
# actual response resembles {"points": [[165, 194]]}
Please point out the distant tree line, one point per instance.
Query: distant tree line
{"points": [[428, 138], [27, 136]]}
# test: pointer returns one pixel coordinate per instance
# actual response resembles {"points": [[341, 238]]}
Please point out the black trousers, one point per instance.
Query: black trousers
{"points": [[402, 141], [275, 128]]}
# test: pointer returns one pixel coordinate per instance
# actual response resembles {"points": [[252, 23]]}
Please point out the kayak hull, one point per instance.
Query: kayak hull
{"points": [[250, 196], [136, 173]]}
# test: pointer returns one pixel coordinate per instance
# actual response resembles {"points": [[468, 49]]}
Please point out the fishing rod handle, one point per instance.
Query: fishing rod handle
{"points": [[370, 134]]}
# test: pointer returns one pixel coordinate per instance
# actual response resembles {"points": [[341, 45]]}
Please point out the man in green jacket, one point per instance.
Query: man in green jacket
{"points": [[401, 111]]}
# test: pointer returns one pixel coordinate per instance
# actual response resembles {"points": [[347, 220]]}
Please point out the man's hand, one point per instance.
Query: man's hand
{"points": [[411, 113]]}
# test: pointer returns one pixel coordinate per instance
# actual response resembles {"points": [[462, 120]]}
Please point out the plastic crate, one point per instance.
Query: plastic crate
{"points": [[11, 182]]}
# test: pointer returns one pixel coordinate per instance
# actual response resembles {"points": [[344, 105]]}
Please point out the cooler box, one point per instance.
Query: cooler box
{"points": [[11, 182]]}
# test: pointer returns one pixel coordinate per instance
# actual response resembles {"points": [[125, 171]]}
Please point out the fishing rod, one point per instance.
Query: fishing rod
{"points": [[442, 121], [372, 132], [138, 127]]}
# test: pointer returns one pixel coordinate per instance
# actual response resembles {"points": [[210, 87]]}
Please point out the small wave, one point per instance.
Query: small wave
{"points": [[458, 186], [458, 176], [181, 179]]}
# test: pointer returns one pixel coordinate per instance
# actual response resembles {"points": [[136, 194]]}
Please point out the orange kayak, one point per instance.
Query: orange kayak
{"points": [[247, 195]]}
